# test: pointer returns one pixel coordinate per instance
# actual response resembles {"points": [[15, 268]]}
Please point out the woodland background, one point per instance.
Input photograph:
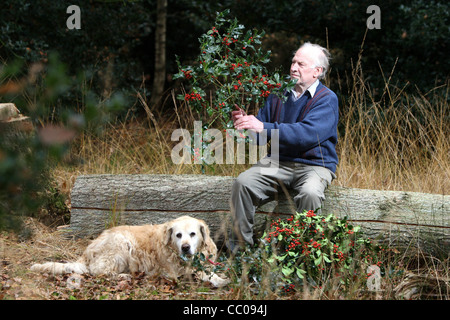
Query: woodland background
{"points": [[120, 37]]}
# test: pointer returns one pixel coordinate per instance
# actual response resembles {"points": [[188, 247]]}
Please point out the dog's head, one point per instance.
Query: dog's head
{"points": [[189, 235]]}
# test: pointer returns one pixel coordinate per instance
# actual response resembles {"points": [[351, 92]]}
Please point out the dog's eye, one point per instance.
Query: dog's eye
{"points": [[192, 234], [179, 235]]}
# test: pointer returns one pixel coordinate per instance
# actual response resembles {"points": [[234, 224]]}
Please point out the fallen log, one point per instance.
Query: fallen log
{"points": [[411, 219]]}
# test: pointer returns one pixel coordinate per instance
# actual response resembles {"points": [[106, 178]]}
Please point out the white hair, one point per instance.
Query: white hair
{"points": [[319, 55]]}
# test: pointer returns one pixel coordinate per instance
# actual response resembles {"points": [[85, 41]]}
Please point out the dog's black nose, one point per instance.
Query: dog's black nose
{"points": [[185, 248]]}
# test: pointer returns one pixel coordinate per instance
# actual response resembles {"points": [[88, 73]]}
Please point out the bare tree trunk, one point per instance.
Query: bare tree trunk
{"points": [[160, 53]]}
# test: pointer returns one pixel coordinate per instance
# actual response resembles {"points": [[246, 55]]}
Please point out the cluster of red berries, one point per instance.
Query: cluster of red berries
{"points": [[236, 87], [293, 244], [220, 106], [316, 244], [274, 234], [340, 255], [214, 32], [192, 96], [310, 214], [265, 92], [235, 65], [288, 288], [226, 41]]}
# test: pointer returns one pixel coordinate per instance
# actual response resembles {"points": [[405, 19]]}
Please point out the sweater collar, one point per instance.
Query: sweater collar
{"points": [[312, 91]]}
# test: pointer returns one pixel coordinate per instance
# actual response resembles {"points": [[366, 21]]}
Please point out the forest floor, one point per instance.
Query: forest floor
{"points": [[18, 282], [425, 278]]}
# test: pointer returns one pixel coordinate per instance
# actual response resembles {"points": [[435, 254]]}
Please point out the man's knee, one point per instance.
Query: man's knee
{"points": [[241, 184], [309, 197], [311, 192]]}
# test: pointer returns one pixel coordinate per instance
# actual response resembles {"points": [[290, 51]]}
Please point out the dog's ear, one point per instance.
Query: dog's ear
{"points": [[204, 229], [208, 243], [167, 234]]}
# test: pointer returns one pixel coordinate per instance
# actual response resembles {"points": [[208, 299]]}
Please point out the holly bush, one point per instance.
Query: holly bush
{"points": [[229, 71], [306, 249], [314, 248]]}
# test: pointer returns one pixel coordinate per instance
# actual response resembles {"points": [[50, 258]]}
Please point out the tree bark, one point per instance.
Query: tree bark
{"points": [[159, 77], [406, 219]]}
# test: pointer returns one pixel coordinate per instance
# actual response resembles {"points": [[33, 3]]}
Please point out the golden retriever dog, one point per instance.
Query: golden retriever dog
{"points": [[153, 249]]}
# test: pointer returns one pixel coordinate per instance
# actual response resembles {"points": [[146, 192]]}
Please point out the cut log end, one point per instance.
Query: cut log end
{"points": [[12, 121]]}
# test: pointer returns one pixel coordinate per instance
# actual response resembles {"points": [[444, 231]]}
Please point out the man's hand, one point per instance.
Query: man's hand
{"points": [[243, 121], [238, 113]]}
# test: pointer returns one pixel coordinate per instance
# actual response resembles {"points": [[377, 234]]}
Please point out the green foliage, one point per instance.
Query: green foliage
{"points": [[23, 173], [305, 249], [230, 72], [26, 159], [55, 207], [313, 247], [408, 32], [110, 34], [119, 35]]}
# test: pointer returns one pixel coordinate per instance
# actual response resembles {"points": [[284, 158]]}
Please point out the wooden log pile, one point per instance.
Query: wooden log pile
{"points": [[406, 219]]}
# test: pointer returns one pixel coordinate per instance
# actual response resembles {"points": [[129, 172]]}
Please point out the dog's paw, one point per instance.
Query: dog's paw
{"points": [[124, 277], [217, 281]]}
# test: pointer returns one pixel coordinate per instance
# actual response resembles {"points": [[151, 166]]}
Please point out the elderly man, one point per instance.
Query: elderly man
{"points": [[306, 124]]}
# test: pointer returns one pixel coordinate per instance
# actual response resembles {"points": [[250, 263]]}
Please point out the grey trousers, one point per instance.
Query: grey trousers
{"points": [[259, 184]]}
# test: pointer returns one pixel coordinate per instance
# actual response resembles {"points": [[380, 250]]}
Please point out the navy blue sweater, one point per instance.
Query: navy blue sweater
{"points": [[307, 127]]}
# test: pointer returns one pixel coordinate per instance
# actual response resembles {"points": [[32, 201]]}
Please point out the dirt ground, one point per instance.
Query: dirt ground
{"points": [[424, 280]]}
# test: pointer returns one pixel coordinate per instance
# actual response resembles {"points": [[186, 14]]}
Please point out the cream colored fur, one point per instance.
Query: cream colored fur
{"points": [[153, 249]]}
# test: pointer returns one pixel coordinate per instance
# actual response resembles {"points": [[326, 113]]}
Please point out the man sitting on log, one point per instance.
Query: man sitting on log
{"points": [[306, 126]]}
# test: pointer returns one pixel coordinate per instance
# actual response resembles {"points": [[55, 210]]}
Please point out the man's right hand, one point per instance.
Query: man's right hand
{"points": [[237, 114], [242, 121]]}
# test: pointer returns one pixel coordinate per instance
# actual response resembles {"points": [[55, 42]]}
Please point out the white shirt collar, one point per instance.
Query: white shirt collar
{"points": [[312, 90]]}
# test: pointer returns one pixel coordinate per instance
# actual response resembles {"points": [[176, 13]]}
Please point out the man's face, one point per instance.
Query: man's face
{"points": [[303, 69]]}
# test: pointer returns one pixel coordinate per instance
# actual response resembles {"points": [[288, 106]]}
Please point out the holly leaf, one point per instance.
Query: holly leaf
{"points": [[300, 272], [287, 271], [318, 260]]}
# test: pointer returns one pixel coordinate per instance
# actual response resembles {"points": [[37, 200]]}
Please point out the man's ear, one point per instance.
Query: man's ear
{"points": [[317, 72]]}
